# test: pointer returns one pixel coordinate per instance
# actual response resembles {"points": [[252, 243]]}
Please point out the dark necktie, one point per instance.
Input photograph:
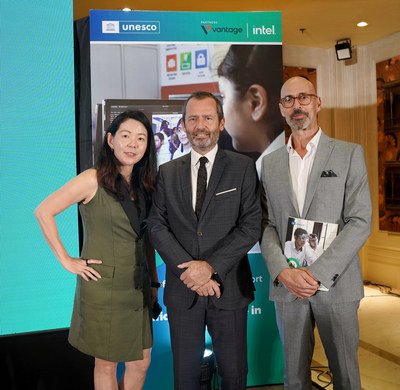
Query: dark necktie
{"points": [[201, 185]]}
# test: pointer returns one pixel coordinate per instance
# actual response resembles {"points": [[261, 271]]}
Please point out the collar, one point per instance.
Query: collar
{"points": [[312, 144], [210, 155]]}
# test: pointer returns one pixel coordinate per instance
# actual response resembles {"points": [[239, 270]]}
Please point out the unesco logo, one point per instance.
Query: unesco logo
{"points": [[132, 27]]}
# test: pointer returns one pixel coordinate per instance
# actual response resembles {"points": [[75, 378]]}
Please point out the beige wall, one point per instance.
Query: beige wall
{"points": [[348, 93]]}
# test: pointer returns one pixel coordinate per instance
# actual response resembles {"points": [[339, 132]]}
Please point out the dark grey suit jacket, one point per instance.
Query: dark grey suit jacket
{"points": [[343, 199], [229, 226]]}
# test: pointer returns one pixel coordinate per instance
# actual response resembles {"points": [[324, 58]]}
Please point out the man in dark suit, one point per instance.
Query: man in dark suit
{"points": [[317, 178], [204, 242]]}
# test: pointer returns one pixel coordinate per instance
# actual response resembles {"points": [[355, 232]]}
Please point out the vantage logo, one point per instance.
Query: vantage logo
{"points": [[206, 29], [232, 30]]}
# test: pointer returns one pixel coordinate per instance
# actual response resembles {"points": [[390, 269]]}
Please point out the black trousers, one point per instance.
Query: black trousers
{"points": [[228, 331]]}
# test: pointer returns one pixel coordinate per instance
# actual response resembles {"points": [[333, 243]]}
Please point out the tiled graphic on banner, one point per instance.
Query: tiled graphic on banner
{"points": [[201, 59], [172, 63], [186, 61]]}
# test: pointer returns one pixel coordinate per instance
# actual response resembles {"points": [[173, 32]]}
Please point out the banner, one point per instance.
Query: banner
{"points": [[149, 26], [152, 61]]}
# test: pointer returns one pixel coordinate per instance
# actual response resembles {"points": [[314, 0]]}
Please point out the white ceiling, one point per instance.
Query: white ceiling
{"points": [[324, 21]]}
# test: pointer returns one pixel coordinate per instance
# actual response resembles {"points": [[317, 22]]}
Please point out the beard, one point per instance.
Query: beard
{"points": [[299, 124], [210, 140]]}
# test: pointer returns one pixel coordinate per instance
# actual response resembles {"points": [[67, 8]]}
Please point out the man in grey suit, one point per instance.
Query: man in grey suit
{"points": [[204, 243], [317, 178]]}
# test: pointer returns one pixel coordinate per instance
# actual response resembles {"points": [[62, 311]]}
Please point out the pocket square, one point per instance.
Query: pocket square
{"points": [[329, 173], [224, 192]]}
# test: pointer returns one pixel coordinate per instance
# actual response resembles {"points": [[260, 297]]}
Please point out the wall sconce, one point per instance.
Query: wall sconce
{"points": [[343, 49]]}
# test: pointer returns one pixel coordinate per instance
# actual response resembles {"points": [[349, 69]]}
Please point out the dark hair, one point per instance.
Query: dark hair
{"points": [[160, 136], [299, 232], [245, 65], [144, 172], [200, 95], [179, 122], [164, 125]]}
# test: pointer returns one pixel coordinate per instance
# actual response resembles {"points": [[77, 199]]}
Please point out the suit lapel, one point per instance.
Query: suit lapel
{"points": [[185, 183], [324, 150], [283, 172], [216, 174], [279, 175]]}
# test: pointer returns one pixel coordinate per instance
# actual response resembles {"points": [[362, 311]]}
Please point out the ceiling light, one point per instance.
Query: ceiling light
{"points": [[126, 9], [343, 49], [362, 24]]}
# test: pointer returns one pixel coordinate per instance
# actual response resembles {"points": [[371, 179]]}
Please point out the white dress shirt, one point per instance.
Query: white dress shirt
{"points": [[305, 256], [195, 164], [300, 168]]}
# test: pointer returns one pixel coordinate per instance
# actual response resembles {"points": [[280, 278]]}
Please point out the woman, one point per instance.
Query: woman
{"points": [[174, 142], [162, 149], [184, 146], [250, 77], [111, 318]]}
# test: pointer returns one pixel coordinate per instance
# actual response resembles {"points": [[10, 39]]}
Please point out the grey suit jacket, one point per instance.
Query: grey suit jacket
{"points": [[229, 226], [344, 199]]}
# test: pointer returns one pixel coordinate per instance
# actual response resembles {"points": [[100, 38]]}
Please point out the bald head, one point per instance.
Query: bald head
{"points": [[297, 82], [300, 105]]}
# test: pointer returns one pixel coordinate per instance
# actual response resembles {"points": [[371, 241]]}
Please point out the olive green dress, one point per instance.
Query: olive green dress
{"points": [[111, 319]]}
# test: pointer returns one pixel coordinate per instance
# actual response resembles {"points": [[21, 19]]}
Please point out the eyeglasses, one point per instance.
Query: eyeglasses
{"points": [[303, 237], [304, 99]]}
